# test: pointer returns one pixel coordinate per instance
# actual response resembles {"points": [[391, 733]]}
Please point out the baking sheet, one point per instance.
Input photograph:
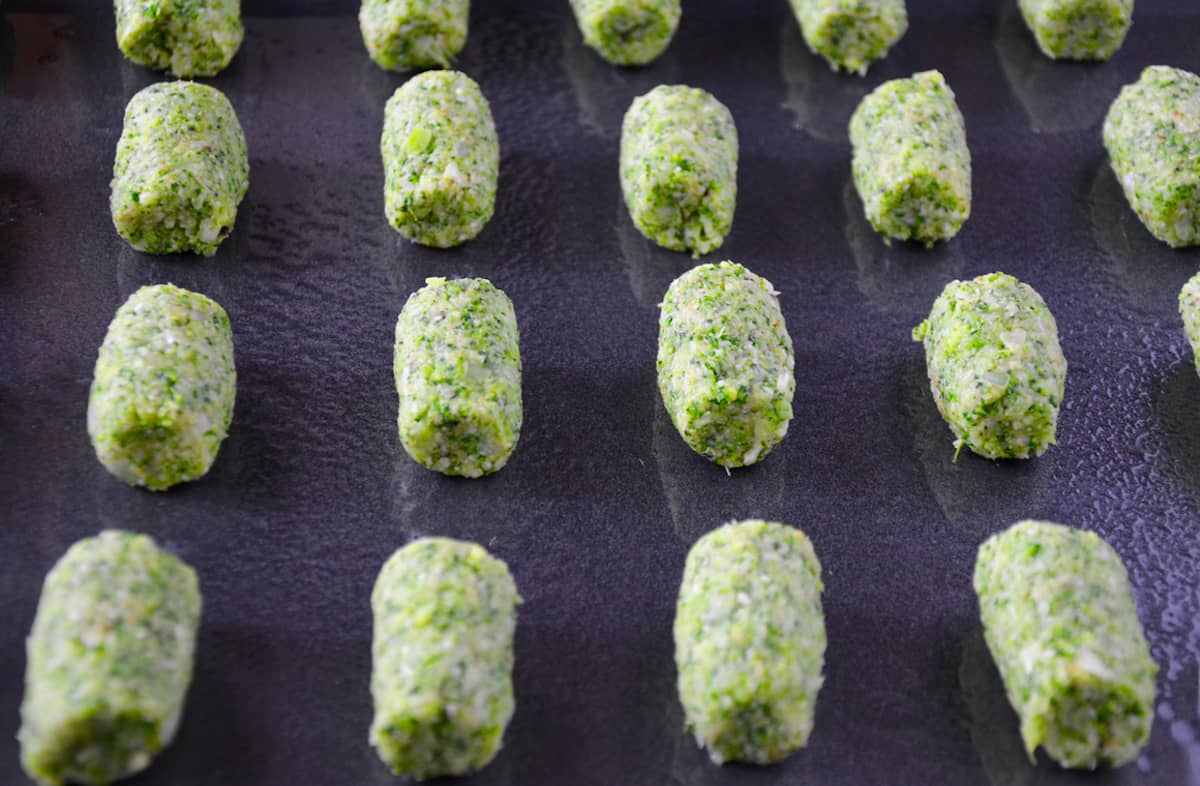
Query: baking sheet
{"points": [[601, 500]]}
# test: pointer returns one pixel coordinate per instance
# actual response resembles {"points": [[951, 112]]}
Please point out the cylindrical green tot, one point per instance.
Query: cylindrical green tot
{"points": [[183, 37], [163, 391], [851, 34], [1152, 134], [726, 363], [679, 157], [445, 612], [1060, 620], [1189, 309], [458, 376], [441, 159], [181, 170], [627, 32], [911, 164], [750, 641], [1078, 29], [995, 366], [109, 660], [403, 34]]}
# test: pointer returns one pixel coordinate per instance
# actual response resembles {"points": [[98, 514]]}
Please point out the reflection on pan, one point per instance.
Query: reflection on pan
{"points": [[1058, 95]]}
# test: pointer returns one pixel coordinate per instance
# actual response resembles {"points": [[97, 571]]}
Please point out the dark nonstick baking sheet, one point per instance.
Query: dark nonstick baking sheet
{"points": [[601, 500]]}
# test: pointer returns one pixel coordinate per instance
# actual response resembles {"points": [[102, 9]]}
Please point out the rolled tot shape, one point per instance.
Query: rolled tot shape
{"points": [[726, 363], [186, 38], [679, 156], [457, 367], [1078, 29], [911, 164], [441, 159], [404, 34], [1152, 134], [627, 32], [181, 170], [163, 391], [996, 369], [109, 660], [1061, 623], [441, 677], [1189, 309], [750, 641], [851, 34]]}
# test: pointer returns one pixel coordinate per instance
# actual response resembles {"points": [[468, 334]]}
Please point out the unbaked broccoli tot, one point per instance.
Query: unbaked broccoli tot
{"points": [[458, 375], [441, 159], [1152, 134], [1189, 309], [404, 34], [109, 660], [851, 34], [1078, 29], [726, 363], [1060, 621], [995, 366], [750, 641], [181, 170], [445, 612], [679, 157], [186, 38], [627, 32], [911, 164], [163, 391]]}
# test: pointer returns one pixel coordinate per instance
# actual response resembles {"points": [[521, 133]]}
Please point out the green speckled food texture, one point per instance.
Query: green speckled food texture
{"points": [[726, 363], [627, 32], [911, 164], [404, 34], [109, 660], [679, 158], [181, 170], [163, 391], [458, 375], [851, 34], [996, 369], [750, 641], [441, 159], [1078, 29], [445, 612], [1152, 134], [1060, 620], [1189, 309], [186, 38]]}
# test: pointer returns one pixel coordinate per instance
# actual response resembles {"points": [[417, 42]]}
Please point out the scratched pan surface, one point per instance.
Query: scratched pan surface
{"points": [[601, 501]]}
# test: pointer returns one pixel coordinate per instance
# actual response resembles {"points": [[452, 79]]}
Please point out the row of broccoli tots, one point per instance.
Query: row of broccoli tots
{"points": [[111, 652], [200, 39]]}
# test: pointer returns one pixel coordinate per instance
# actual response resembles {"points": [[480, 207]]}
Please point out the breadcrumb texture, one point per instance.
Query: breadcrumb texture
{"points": [[1152, 133], [457, 367], [404, 34], [186, 38], [109, 660], [441, 159], [1061, 623], [1078, 29], [995, 366], [679, 158], [911, 164], [445, 612], [851, 34], [750, 641], [181, 170], [726, 363], [627, 32]]}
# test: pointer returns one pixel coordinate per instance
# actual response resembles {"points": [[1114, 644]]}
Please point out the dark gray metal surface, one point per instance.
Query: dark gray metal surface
{"points": [[601, 500]]}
